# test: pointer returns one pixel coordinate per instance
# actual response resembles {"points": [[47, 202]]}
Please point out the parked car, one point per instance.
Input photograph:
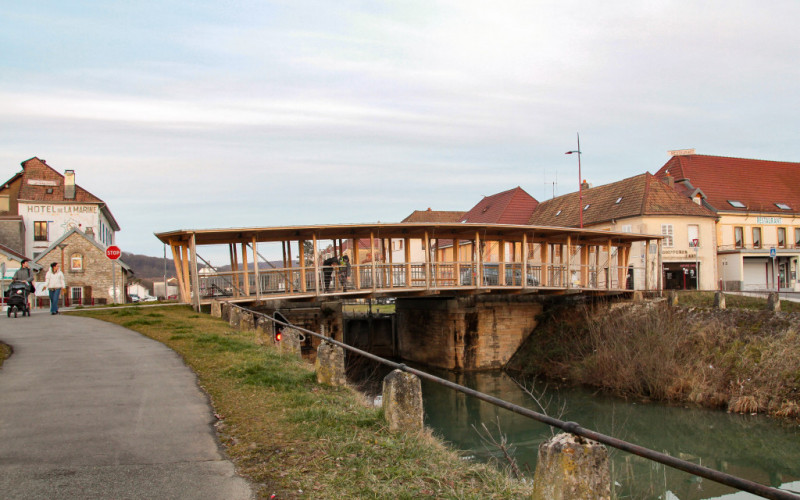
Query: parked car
{"points": [[135, 298]]}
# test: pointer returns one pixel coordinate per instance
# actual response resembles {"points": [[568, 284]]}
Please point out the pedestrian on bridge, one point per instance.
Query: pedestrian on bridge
{"points": [[327, 270], [344, 271]]}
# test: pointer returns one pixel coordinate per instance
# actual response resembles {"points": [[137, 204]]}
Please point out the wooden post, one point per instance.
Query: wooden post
{"points": [[246, 270], [372, 253], [427, 247], [176, 260], [457, 264], [569, 261], [391, 265], [186, 278], [524, 256], [256, 270], [584, 265], [195, 280], [235, 270], [356, 262], [301, 251], [646, 266], [316, 265], [608, 266], [407, 258], [501, 267], [478, 263], [660, 269], [290, 267], [545, 258]]}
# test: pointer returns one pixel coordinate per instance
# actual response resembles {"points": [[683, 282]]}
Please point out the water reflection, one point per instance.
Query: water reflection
{"points": [[754, 447]]}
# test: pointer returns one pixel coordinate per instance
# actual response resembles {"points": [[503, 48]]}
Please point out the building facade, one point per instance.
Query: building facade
{"points": [[757, 203]]}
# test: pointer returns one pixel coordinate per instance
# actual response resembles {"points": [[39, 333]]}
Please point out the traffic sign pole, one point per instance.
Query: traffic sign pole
{"points": [[113, 252]]}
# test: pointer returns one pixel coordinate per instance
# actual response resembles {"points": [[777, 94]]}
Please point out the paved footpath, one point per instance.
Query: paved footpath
{"points": [[92, 410]]}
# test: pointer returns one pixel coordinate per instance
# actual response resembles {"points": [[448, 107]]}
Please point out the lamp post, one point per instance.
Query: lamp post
{"points": [[580, 180]]}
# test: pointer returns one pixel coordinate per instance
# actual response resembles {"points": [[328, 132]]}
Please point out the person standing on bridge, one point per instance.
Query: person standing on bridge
{"points": [[344, 271], [327, 270]]}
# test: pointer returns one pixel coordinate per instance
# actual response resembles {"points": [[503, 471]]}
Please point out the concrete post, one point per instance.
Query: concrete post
{"points": [[216, 309], [330, 364], [572, 468], [773, 302], [402, 401], [290, 343], [246, 321], [719, 300], [234, 317], [263, 330], [225, 311]]}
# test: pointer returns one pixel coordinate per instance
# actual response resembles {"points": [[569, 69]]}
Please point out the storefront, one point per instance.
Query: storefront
{"points": [[681, 275]]}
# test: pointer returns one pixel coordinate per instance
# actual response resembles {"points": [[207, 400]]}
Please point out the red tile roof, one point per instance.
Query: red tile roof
{"points": [[757, 184], [632, 197], [37, 170], [514, 206], [433, 216]]}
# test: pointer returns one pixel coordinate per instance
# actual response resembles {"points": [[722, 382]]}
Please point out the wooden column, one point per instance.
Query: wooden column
{"points": [[478, 262], [301, 251], [290, 266], [660, 269], [195, 280], [427, 243], [256, 270], [356, 262], [646, 266], [501, 267], [186, 277], [316, 264], [545, 256], [176, 260], [407, 258], [372, 253], [569, 261], [391, 264], [235, 270], [456, 264], [524, 256], [584, 266], [608, 266], [246, 270]]}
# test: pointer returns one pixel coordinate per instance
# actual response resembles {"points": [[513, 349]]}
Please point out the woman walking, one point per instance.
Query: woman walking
{"points": [[54, 281]]}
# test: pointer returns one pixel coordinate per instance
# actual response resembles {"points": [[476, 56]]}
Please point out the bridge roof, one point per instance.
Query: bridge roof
{"points": [[463, 231]]}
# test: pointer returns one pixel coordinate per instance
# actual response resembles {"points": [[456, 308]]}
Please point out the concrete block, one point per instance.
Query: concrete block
{"points": [[290, 344], [719, 300], [246, 321], [402, 401], [773, 302], [234, 317], [572, 468], [216, 309], [225, 311], [330, 365]]}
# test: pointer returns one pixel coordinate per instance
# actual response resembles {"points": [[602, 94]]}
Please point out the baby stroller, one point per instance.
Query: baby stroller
{"points": [[17, 299]]}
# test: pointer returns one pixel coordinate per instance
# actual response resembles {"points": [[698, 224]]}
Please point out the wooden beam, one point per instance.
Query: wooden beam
{"points": [[427, 247], [186, 277], [195, 277], [569, 261], [524, 256], [301, 250], [176, 260], [235, 269], [372, 254], [407, 256], [256, 270], [246, 270], [316, 264]]}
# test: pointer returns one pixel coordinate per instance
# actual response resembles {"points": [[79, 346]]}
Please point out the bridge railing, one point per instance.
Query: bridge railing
{"points": [[418, 275]]}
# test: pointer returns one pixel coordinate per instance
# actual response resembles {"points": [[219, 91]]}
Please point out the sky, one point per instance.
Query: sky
{"points": [[195, 114]]}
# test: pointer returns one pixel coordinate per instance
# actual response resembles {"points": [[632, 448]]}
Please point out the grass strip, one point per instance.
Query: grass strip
{"points": [[294, 438]]}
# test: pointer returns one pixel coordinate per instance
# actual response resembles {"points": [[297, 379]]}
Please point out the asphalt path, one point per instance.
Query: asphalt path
{"points": [[92, 410]]}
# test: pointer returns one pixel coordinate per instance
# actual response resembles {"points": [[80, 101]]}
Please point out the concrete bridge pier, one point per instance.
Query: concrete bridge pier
{"points": [[478, 332]]}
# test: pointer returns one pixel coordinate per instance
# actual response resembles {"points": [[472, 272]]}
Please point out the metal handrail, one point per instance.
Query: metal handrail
{"points": [[571, 427]]}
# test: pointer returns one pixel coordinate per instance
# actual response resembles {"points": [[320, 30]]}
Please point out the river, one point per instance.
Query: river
{"points": [[758, 448]]}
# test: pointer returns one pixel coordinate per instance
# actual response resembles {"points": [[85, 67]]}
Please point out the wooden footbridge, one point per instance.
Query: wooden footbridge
{"points": [[408, 259]]}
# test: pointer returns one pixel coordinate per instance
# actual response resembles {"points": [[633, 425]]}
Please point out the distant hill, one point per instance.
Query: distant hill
{"points": [[145, 266]]}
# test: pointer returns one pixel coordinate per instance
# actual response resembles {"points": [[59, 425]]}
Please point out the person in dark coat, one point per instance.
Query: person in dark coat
{"points": [[344, 271], [327, 270]]}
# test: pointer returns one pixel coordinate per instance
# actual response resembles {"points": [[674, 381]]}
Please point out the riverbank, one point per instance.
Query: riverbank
{"points": [[293, 438], [741, 360]]}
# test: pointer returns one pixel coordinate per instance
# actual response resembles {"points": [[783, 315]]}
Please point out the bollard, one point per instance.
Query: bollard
{"points": [[773, 302], [246, 321], [225, 311], [571, 467], [329, 364], [637, 296], [234, 316], [719, 300], [216, 309], [402, 401], [291, 344]]}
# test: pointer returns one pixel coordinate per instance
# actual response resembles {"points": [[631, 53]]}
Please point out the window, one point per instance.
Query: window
{"points": [[618, 200], [756, 237], [694, 235], [586, 208], [737, 204], [738, 237], [5, 204], [558, 213], [76, 262], [666, 232], [76, 295], [797, 237], [782, 237], [40, 231], [783, 206], [626, 228]]}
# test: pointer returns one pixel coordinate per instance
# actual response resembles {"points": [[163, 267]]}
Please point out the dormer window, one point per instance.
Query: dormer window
{"points": [[558, 213], [783, 206], [586, 208], [736, 204], [618, 200]]}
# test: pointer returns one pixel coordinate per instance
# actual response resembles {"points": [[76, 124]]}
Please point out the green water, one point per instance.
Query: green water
{"points": [[758, 448]]}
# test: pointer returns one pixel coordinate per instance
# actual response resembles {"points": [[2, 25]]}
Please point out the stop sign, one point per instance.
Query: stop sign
{"points": [[113, 252]]}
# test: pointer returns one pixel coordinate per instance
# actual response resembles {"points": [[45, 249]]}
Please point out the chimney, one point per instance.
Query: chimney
{"points": [[89, 231], [69, 184], [585, 185], [669, 180]]}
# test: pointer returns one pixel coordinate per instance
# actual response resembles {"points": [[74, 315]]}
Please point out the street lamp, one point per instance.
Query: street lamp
{"points": [[580, 180]]}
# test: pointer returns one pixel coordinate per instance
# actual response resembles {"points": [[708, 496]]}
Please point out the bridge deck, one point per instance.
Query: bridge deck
{"points": [[455, 259]]}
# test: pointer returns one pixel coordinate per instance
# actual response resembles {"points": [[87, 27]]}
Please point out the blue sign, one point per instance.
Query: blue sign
{"points": [[773, 252]]}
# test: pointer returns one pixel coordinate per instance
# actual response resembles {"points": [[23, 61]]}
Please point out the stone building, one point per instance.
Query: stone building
{"points": [[88, 273]]}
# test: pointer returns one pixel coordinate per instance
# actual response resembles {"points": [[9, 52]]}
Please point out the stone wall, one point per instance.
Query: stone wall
{"points": [[465, 333], [12, 233]]}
